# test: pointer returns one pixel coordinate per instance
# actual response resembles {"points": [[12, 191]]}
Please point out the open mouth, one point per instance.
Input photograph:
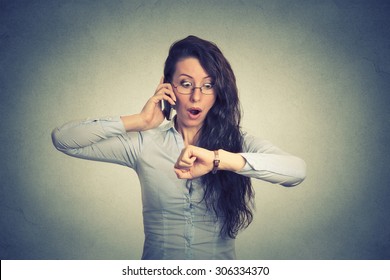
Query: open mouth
{"points": [[194, 111]]}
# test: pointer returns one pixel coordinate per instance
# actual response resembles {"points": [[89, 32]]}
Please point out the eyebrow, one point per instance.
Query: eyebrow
{"points": [[192, 77]]}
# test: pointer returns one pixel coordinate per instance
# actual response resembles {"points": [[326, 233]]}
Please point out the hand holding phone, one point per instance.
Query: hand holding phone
{"points": [[152, 114], [168, 108]]}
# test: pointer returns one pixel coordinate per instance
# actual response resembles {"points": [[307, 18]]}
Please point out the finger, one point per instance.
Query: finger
{"points": [[168, 86], [160, 87], [182, 174], [165, 89], [164, 94], [184, 160], [172, 92], [163, 85], [183, 165], [169, 99]]}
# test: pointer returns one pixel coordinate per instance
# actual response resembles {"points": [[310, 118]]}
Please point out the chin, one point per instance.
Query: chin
{"points": [[190, 123]]}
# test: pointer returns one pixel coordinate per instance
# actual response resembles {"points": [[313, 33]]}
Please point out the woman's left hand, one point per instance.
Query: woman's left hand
{"points": [[194, 162]]}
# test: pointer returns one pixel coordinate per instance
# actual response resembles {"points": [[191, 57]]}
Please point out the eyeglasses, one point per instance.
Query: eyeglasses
{"points": [[188, 88]]}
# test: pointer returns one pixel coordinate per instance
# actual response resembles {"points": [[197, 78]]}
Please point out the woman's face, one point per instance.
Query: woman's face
{"points": [[192, 109]]}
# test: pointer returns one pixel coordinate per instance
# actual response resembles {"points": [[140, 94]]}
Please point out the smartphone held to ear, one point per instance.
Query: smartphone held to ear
{"points": [[168, 110]]}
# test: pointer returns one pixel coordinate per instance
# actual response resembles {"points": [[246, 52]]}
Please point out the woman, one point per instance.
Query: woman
{"points": [[195, 170]]}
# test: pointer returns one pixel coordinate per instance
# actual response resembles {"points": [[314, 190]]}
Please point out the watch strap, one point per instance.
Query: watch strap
{"points": [[215, 162]]}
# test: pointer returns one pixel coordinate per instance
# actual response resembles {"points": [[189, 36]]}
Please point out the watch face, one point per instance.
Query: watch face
{"points": [[216, 162]]}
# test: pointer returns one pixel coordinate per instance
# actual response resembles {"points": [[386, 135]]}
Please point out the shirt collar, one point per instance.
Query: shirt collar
{"points": [[169, 125]]}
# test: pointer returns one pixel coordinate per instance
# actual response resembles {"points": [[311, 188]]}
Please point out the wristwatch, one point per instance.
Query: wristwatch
{"points": [[216, 162]]}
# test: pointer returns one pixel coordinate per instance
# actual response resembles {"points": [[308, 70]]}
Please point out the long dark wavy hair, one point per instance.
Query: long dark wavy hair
{"points": [[228, 194]]}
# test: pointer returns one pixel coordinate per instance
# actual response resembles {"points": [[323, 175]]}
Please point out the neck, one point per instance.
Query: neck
{"points": [[190, 134]]}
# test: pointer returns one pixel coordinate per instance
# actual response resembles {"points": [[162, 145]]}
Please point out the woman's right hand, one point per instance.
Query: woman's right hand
{"points": [[151, 115]]}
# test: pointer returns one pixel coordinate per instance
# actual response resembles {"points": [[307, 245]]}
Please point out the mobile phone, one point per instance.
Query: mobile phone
{"points": [[168, 109]]}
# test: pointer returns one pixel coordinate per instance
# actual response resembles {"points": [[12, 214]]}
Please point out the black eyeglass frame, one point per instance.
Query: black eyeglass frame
{"points": [[193, 89]]}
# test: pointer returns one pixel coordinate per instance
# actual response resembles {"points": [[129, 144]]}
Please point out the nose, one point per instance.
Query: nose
{"points": [[196, 94]]}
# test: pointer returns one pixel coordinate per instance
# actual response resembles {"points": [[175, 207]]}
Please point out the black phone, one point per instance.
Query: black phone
{"points": [[168, 109]]}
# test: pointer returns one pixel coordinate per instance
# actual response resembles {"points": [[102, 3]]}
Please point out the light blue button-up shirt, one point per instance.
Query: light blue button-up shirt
{"points": [[177, 224]]}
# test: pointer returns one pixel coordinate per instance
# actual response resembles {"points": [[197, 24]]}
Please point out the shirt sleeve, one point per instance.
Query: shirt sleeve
{"points": [[269, 163], [103, 139]]}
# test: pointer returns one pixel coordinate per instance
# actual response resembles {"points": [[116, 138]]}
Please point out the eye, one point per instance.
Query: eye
{"points": [[208, 85], [186, 84]]}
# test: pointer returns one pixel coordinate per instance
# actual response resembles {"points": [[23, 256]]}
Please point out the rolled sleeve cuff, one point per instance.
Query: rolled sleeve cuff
{"points": [[112, 125]]}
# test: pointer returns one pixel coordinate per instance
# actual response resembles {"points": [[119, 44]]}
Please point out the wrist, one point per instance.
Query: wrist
{"points": [[230, 161]]}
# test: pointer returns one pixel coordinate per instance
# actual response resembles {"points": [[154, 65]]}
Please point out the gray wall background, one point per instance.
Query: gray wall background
{"points": [[314, 78]]}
